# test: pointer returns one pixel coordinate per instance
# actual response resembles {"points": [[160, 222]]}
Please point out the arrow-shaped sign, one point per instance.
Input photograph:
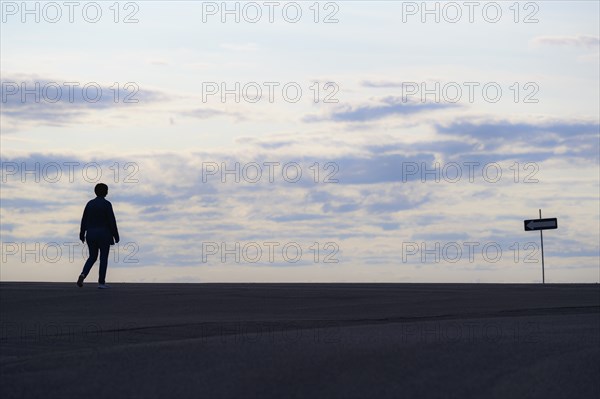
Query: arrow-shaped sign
{"points": [[540, 224]]}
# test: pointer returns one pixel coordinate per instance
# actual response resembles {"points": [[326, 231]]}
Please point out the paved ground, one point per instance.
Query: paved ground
{"points": [[299, 340]]}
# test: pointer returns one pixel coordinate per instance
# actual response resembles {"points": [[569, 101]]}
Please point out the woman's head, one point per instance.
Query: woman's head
{"points": [[101, 190]]}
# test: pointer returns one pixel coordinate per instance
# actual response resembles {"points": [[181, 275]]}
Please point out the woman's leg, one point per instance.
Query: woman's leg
{"points": [[93, 248]]}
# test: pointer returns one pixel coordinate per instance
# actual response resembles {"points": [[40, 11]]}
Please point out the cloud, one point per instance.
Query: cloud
{"points": [[158, 61], [579, 138], [513, 130], [29, 204], [381, 83], [205, 113], [240, 47], [439, 146], [400, 203], [379, 168], [296, 217], [55, 102], [389, 226], [375, 206], [578, 40], [387, 106]]}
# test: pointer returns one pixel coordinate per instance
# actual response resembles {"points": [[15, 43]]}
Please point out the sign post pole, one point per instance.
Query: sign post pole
{"points": [[541, 224], [542, 248]]}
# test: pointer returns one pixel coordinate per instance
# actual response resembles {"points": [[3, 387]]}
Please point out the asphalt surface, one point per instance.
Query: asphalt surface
{"points": [[299, 340]]}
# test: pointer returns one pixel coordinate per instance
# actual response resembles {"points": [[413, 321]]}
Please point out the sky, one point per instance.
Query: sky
{"points": [[345, 141]]}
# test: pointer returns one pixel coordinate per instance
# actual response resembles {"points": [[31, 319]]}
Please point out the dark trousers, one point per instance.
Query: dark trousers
{"points": [[94, 247]]}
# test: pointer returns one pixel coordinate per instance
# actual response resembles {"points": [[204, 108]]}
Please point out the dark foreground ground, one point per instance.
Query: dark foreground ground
{"points": [[299, 340]]}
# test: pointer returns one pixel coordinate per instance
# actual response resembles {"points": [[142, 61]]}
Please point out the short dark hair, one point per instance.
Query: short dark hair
{"points": [[101, 190]]}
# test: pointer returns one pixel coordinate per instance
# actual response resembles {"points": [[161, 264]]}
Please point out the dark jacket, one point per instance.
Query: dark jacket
{"points": [[98, 222]]}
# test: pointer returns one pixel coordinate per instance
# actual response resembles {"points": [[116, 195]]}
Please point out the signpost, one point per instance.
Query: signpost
{"points": [[541, 224]]}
